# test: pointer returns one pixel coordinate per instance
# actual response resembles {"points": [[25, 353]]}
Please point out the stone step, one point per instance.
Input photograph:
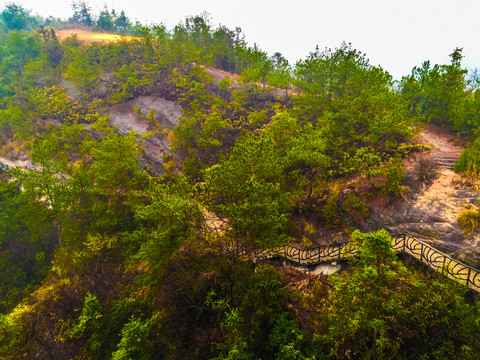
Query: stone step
{"points": [[445, 161], [444, 157]]}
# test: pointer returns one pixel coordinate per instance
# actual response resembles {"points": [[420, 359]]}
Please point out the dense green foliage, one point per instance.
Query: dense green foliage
{"points": [[381, 310], [443, 95], [15, 17], [101, 259]]}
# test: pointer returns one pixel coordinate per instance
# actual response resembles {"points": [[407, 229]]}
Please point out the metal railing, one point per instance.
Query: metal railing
{"points": [[312, 256], [402, 243], [437, 260]]}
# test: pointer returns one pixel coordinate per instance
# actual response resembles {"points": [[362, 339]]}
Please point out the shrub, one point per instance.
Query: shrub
{"points": [[469, 160], [426, 171], [468, 220]]}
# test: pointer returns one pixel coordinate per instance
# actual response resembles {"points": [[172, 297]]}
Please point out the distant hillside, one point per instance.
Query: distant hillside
{"points": [[159, 168]]}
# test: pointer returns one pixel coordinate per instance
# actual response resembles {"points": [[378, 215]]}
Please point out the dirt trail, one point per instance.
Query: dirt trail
{"points": [[445, 187], [442, 141], [430, 214]]}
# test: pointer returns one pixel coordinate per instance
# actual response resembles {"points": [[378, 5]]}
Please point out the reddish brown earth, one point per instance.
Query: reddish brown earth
{"points": [[441, 140]]}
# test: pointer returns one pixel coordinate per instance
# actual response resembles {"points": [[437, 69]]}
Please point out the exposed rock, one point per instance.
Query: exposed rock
{"points": [[431, 216], [327, 269], [166, 114], [430, 213]]}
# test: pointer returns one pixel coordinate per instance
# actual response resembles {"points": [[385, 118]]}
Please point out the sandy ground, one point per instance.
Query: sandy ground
{"points": [[445, 143], [442, 141]]}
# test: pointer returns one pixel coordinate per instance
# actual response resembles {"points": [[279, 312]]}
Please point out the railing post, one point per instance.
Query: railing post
{"points": [[404, 241], [421, 252], [468, 275], [299, 263]]}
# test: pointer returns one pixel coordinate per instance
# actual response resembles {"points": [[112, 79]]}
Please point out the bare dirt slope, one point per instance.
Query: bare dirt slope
{"points": [[442, 141], [219, 75], [430, 214], [127, 119]]}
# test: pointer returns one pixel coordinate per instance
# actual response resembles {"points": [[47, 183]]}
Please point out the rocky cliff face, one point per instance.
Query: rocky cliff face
{"points": [[127, 119]]}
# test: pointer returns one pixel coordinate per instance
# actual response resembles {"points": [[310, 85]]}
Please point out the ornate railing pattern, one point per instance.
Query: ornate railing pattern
{"points": [[438, 261], [312, 256], [402, 243]]}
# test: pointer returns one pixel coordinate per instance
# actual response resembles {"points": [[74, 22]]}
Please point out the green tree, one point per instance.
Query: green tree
{"points": [[380, 309], [18, 49], [122, 23], [328, 74], [53, 48], [82, 70], [245, 191], [359, 117], [168, 219], [256, 324], [135, 342], [198, 29], [259, 68], [439, 92], [88, 195], [105, 20], [365, 307], [281, 76], [15, 17], [469, 160], [223, 45], [27, 242], [82, 13]]}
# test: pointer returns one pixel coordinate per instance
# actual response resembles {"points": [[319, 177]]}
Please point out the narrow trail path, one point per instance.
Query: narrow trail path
{"points": [[441, 140], [401, 243], [444, 149], [430, 213]]}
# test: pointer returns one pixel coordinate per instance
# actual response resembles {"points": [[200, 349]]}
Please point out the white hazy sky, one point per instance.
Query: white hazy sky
{"points": [[397, 35]]}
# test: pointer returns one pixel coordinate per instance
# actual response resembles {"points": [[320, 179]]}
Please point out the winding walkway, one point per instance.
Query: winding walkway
{"points": [[402, 243]]}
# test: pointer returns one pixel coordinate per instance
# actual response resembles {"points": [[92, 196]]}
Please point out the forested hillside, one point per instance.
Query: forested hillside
{"points": [[112, 250]]}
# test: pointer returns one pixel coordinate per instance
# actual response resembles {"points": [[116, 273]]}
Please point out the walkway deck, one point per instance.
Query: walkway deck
{"points": [[402, 243]]}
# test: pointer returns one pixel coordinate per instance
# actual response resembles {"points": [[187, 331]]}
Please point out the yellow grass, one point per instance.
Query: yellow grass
{"points": [[90, 36]]}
